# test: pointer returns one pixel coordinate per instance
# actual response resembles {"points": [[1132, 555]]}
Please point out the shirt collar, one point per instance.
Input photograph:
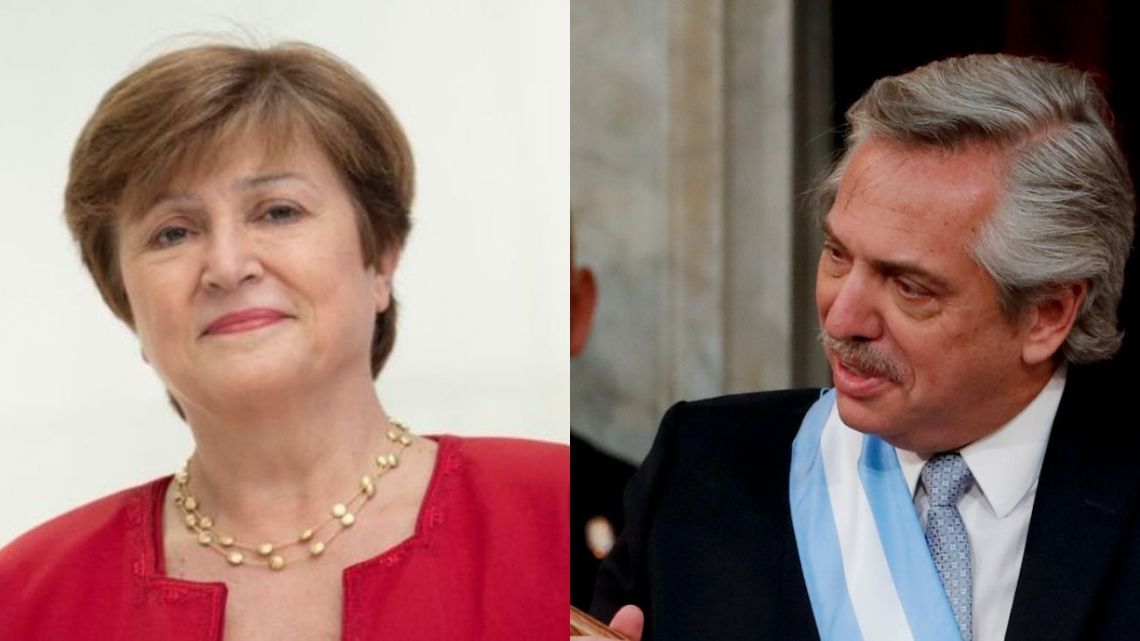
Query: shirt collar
{"points": [[1006, 463]]}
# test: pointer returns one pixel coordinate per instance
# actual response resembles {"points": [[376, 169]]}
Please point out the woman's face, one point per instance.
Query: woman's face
{"points": [[248, 281]]}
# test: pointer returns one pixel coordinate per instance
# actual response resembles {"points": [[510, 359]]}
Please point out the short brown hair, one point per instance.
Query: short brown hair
{"points": [[168, 117], [1067, 203]]}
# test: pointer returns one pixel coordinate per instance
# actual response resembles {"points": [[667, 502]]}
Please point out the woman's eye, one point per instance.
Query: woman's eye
{"points": [[168, 236], [281, 214]]}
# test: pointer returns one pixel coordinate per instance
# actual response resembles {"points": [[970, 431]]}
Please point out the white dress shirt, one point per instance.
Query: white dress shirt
{"points": [[996, 510]]}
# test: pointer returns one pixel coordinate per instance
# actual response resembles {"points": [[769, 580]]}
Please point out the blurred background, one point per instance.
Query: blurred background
{"points": [[696, 129], [482, 89]]}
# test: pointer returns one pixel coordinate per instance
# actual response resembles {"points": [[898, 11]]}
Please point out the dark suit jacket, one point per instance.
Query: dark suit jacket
{"points": [[708, 551]]}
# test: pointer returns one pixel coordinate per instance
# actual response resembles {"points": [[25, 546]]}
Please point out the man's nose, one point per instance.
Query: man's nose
{"points": [[854, 311]]}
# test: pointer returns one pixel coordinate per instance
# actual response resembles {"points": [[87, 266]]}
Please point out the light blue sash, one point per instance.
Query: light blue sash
{"points": [[911, 569]]}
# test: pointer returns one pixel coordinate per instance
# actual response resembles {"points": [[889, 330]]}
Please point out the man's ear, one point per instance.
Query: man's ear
{"points": [[382, 279], [1050, 320], [583, 300]]}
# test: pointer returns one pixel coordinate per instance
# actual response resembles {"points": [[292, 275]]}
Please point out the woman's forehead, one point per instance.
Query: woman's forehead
{"points": [[259, 145]]}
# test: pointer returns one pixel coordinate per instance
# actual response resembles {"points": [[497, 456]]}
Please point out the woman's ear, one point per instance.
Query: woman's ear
{"points": [[382, 279]]}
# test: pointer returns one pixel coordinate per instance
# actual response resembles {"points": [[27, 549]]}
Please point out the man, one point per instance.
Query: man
{"points": [[595, 499], [966, 478]]}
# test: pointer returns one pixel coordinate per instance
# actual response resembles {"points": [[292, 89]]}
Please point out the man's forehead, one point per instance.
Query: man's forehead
{"points": [[879, 158], [920, 189]]}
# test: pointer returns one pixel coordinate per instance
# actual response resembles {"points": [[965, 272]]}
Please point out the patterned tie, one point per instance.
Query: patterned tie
{"points": [[946, 479]]}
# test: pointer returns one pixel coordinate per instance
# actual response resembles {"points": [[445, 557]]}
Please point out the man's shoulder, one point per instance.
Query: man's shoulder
{"points": [[771, 400], [740, 429], [756, 413]]}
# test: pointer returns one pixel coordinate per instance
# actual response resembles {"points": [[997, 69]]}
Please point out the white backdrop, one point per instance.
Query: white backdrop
{"points": [[482, 89]]}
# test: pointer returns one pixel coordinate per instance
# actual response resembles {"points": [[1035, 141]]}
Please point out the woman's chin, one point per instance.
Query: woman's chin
{"points": [[251, 380]]}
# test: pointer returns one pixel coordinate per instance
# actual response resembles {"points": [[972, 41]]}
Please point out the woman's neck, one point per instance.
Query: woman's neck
{"points": [[265, 468]]}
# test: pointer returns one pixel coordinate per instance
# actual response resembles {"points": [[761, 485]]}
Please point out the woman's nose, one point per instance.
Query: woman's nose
{"points": [[231, 259]]}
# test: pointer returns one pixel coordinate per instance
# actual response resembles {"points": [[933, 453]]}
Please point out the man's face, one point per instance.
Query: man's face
{"points": [[920, 352]]}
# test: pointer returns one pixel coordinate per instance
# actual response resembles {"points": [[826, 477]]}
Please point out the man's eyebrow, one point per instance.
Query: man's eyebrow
{"points": [[830, 237], [894, 267], [904, 268]]}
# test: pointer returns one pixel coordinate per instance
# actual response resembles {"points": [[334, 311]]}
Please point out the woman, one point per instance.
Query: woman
{"points": [[243, 212]]}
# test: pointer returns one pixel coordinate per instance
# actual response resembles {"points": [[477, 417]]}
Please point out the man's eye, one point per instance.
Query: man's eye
{"points": [[909, 290]]}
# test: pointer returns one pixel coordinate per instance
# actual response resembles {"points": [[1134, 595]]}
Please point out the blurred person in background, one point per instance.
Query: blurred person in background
{"points": [[597, 478]]}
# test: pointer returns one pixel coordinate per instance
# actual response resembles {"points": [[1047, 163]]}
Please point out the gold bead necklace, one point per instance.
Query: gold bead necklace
{"points": [[272, 554]]}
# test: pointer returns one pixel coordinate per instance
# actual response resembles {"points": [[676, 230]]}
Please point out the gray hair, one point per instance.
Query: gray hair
{"points": [[1065, 214]]}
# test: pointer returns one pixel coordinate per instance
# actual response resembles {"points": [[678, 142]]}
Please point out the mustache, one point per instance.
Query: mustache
{"points": [[863, 356]]}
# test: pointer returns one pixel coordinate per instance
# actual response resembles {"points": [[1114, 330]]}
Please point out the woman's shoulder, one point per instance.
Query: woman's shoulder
{"points": [[504, 476], [513, 447], [100, 529], [511, 459]]}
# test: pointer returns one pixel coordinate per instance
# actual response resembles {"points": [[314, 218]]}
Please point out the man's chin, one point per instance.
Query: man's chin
{"points": [[863, 414]]}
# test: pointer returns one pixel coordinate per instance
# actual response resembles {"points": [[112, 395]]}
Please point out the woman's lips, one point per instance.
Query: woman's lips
{"points": [[244, 321]]}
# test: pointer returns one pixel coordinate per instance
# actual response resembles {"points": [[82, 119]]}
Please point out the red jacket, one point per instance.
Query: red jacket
{"points": [[488, 560]]}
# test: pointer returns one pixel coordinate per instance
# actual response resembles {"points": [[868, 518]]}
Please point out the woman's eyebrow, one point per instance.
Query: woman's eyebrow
{"points": [[167, 196], [141, 214], [251, 182]]}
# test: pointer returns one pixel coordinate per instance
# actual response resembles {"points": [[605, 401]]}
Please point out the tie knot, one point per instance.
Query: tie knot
{"points": [[946, 478]]}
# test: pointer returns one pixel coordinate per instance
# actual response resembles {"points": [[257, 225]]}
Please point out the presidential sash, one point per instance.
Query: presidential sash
{"points": [[868, 570]]}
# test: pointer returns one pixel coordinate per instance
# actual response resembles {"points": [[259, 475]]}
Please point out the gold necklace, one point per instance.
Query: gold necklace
{"points": [[271, 554]]}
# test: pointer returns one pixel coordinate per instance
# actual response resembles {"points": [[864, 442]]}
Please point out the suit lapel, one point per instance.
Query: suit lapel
{"points": [[1088, 483]]}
